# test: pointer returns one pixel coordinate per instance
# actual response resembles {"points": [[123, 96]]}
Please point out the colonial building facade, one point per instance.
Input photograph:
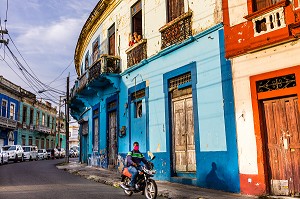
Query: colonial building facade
{"points": [[25, 120], [155, 72], [37, 123], [9, 98], [262, 41]]}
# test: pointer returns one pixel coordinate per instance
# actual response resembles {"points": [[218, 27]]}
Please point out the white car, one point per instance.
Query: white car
{"points": [[15, 153], [3, 156], [62, 152], [30, 153], [42, 154]]}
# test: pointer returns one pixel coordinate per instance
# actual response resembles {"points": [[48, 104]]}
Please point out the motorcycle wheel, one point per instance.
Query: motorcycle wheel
{"points": [[151, 189], [126, 181]]}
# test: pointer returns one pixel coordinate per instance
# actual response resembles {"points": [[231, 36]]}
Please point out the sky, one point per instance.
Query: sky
{"points": [[45, 32]]}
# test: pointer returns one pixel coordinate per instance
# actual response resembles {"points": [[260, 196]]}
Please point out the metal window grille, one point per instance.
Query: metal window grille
{"points": [[182, 79], [276, 83]]}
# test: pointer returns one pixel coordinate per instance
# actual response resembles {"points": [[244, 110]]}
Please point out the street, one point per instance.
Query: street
{"points": [[42, 180]]}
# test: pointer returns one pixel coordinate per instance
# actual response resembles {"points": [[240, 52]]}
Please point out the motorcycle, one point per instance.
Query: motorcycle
{"points": [[144, 183]]}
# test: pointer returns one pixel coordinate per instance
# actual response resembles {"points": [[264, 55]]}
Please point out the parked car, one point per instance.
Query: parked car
{"points": [[62, 152], [73, 153], [15, 153], [52, 153], [30, 153], [42, 154], [3, 156]]}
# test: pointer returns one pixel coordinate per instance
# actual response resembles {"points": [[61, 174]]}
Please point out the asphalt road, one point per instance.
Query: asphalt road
{"points": [[42, 180]]}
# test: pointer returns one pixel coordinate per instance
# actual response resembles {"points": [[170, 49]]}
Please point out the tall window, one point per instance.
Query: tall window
{"points": [[96, 50], [24, 114], [12, 111], [86, 61], [136, 97], [175, 9], [30, 140], [96, 129], [81, 69], [48, 121], [31, 116], [23, 140], [260, 4], [4, 108], [43, 119], [37, 118], [137, 18], [53, 123], [111, 40]]}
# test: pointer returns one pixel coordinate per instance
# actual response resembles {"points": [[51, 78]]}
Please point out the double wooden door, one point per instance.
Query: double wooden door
{"points": [[183, 134], [282, 142]]}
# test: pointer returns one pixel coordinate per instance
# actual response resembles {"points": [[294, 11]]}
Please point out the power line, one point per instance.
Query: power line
{"points": [[29, 82], [62, 72], [43, 86]]}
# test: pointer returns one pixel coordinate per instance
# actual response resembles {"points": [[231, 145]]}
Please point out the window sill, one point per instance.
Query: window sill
{"points": [[136, 45]]}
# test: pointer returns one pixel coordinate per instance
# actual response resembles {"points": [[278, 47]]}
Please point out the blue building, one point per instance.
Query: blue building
{"points": [[170, 90], [26, 121], [9, 98]]}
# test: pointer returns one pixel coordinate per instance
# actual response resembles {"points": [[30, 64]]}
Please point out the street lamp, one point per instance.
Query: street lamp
{"points": [[52, 90]]}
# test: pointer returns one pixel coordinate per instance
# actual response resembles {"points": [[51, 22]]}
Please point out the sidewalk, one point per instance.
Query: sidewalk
{"points": [[165, 189]]}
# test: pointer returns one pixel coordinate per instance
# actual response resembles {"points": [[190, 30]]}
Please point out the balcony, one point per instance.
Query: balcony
{"points": [[8, 123], [136, 53], [176, 31], [268, 22], [43, 129], [106, 64], [31, 127]]}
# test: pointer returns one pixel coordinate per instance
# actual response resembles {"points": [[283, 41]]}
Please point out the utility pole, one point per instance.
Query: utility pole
{"points": [[67, 120], [59, 116], [2, 32]]}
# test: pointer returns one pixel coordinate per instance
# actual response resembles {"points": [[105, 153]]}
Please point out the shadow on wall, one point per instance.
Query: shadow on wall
{"points": [[213, 181]]}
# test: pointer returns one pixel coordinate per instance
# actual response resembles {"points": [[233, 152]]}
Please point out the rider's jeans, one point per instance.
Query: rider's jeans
{"points": [[134, 172]]}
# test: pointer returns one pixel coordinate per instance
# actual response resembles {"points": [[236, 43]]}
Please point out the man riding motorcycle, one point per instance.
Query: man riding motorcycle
{"points": [[134, 158]]}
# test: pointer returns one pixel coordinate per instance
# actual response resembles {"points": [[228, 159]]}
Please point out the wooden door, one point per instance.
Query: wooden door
{"points": [[283, 145], [183, 134], [96, 135], [112, 139]]}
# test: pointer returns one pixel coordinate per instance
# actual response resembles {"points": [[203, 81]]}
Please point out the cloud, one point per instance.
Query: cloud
{"points": [[56, 38], [46, 33]]}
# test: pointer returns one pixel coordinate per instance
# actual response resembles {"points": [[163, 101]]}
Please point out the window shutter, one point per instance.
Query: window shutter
{"points": [[175, 9]]}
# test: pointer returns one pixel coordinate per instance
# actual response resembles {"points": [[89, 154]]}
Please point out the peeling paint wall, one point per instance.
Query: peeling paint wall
{"points": [[206, 13], [251, 162], [215, 147], [237, 10]]}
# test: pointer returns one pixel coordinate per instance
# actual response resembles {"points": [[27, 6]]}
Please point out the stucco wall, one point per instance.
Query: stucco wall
{"points": [[279, 57], [205, 15], [237, 11]]}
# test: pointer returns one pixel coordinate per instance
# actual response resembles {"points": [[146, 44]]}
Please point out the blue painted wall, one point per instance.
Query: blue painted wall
{"points": [[4, 131], [214, 124], [215, 134]]}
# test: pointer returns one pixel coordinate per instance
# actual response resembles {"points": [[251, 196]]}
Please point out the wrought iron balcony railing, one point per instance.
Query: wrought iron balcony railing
{"points": [[105, 64], [8, 123], [176, 31], [43, 129], [136, 53]]}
